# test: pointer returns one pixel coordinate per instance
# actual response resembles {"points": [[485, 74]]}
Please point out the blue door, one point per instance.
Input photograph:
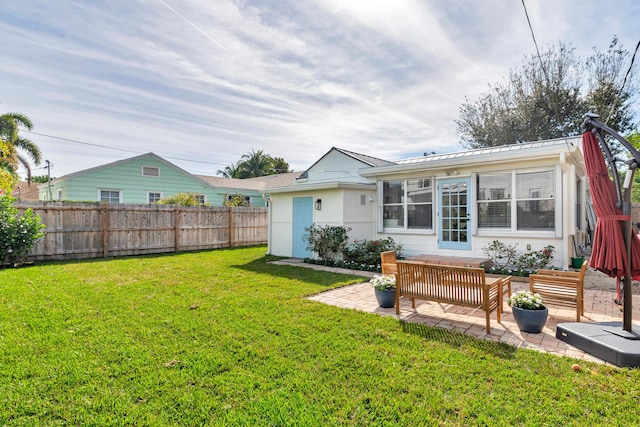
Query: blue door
{"points": [[454, 214], [302, 218]]}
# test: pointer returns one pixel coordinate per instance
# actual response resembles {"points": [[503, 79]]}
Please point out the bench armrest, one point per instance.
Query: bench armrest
{"points": [[558, 273]]}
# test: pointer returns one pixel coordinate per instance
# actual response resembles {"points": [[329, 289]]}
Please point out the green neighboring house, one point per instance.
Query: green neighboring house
{"points": [[146, 179]]}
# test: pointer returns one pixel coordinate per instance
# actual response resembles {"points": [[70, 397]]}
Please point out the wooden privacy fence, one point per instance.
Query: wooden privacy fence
{"points": [[635, 214], [94, 230]]}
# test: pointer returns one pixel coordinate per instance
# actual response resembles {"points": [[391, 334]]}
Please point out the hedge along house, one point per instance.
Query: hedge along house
{"points": [[142, 179], [530, 195]]}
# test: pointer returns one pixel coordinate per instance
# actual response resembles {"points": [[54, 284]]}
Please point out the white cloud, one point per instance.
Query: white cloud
{"points": [[293, 78]]}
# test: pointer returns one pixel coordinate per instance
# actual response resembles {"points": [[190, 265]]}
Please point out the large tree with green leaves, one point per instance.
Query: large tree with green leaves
{"points": [[548, 96], [11, 144]]}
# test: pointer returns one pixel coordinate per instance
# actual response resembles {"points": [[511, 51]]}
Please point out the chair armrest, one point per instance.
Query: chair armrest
{"points": [[497, 282], [557, 273]]}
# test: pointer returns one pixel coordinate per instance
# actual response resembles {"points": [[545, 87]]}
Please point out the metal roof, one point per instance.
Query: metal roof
{"points": [[492, 150]]}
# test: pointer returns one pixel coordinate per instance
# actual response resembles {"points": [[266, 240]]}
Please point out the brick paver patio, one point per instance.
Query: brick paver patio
{"points": [[599, 307]]}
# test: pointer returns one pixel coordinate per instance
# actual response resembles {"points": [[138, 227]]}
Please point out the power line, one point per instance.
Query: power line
{"points": [[633, 58], [544, 70], [81, 142], [118, 149], [624, 82]]}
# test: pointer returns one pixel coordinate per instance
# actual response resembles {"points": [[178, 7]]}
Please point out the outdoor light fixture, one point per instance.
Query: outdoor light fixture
{"points": [[318, 204]]}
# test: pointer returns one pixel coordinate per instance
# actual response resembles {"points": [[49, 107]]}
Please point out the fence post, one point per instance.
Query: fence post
{"points": [[230, 226], [105, 230], [176, 227]]}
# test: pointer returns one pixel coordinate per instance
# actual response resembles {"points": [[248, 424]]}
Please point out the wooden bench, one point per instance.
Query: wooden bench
{"points": [[464, 286], [565, 288]]}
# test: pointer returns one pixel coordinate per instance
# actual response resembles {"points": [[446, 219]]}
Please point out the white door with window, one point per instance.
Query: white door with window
{"points": [[454, 214]]}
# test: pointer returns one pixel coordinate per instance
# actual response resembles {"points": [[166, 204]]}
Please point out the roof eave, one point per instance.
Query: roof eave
{"points": [[319, 186]]}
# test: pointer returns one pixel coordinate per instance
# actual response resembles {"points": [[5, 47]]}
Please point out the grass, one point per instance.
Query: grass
{"points": [[225, 338]]}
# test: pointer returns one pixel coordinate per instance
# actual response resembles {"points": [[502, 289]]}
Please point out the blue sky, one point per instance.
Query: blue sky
{"points": [[209, 80]]}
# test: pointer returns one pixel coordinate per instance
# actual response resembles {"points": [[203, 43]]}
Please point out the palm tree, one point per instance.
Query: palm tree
{"points": [[255, 164], [230, 171], [10, 159]]}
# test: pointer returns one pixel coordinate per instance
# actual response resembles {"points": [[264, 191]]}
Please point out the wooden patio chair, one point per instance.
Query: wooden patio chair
{"points": [[565, 288], [388, 262]]}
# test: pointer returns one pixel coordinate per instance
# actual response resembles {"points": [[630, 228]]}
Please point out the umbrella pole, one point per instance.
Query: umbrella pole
{"points": [[626, 280]]}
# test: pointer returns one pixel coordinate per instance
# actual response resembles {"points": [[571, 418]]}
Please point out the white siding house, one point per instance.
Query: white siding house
{"points": [[530, 195]]}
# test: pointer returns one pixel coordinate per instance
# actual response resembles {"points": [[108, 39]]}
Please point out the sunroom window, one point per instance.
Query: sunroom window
{"points": [[532, 204], [494, 201], [408, 204], [535, 202]]}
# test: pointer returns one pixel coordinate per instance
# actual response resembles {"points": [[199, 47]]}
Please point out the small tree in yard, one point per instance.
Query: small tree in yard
{"points": [[235, 200], [18, 234], [328, 241]]}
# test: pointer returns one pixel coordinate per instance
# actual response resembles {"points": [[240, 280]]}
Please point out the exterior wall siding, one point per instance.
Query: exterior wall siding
{"points": [[341, 206], [336, 166], [127, 178]]}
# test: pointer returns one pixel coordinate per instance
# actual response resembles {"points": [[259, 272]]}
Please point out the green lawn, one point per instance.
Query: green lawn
{"points": [[224, 338]]}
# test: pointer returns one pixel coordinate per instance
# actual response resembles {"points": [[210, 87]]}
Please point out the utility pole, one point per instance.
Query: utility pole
{"points": [[48, 168]]}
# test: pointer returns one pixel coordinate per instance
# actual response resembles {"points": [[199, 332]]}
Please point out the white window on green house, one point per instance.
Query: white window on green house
{"points": [[532, 205], [408, 204], [153, 196], [110, 196], [59, 195], [201, 198]]}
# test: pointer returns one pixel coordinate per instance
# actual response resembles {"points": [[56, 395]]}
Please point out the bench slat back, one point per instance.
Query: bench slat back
{"points": [[443, 283]]}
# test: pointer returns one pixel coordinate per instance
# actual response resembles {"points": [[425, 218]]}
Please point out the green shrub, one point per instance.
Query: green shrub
{"points": [[235, 200], [506, 260], [363, 255], [368, 251], [182, 199], [535, 260], [501, 255], [18, 234], [328, 242]]}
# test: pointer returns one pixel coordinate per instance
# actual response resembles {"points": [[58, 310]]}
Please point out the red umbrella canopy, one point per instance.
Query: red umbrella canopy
{"points": [[609, 253]]}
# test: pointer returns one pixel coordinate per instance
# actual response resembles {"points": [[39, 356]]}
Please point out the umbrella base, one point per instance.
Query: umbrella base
{"points": [[604, 340]]}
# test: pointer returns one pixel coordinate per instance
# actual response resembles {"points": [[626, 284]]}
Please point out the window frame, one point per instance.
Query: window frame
{"points": [[496, 196], [514, 200], [405, 204], [149, 193], [110, 190]]}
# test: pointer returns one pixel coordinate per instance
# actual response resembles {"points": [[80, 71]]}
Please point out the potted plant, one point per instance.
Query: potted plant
{"points": [[385, 288], [529, 311]]}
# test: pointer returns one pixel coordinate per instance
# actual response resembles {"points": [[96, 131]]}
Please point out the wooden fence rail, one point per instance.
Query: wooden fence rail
{"points": [[94, 230]]}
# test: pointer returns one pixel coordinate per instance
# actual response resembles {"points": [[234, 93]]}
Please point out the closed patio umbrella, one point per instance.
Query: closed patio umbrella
{"points": [[609, 251]]}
